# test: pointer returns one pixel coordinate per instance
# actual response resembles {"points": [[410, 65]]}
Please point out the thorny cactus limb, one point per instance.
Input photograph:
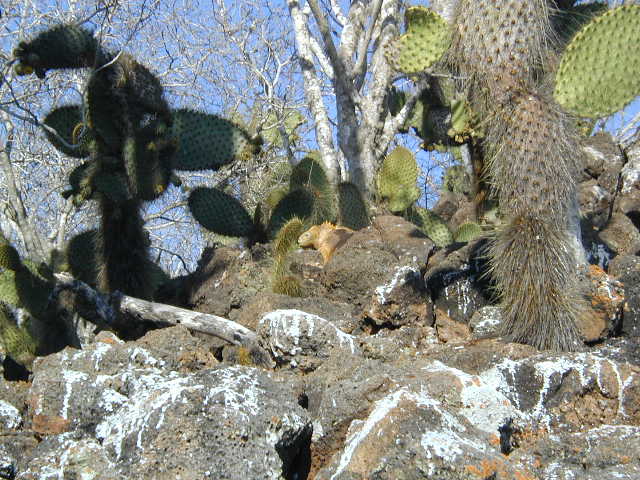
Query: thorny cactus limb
{"points": [[535, 271], [63, 46], [499, 46], [122, 250], [81, 256], [286, 240], [502, 49]]}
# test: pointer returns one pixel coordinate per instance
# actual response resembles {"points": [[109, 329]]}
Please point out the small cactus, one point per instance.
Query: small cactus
{"points": [[286, 240]]}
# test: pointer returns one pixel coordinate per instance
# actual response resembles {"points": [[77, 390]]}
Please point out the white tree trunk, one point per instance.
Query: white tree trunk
{"points": [[313, 91]]}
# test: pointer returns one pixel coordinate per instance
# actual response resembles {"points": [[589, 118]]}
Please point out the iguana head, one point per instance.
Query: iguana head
{"points": [[308, 237]]}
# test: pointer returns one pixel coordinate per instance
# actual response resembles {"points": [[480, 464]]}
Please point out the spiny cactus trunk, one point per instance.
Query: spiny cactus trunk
{"points": [[123, 250], [501, 48]]}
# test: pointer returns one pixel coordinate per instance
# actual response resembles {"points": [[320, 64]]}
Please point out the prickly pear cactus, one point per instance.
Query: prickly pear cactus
{"points": [[353, 209], [397, 180], [467, 232], [283, 281], [298, 203], [9, 257], [63, 46], [133, 143], [81, 256], [206, 141], [287, 238], [600, 69], [426, 40], [65, 121], [432, 225], [310, 174], [17, 342], [500, 45], [219, 212]]}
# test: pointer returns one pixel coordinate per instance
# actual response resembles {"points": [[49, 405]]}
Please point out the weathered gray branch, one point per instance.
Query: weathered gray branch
{"points": [[109, 307], [33, 243]]}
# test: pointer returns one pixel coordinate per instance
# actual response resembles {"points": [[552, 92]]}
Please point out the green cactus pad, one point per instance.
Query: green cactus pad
{"points": [[275, 195], [426, 40], [600, 70], [9, 257], [17, 343], [63, 46], [8, 290], [432, 225], [467, 232], [220, 213], [353, 209], [298, 203], [206, 141], [81, 256], [310, 174], [397, 180], [64, 121]]}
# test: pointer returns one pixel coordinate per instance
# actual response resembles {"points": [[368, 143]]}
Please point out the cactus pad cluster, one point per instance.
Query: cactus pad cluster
{"points": [[132, 142]]}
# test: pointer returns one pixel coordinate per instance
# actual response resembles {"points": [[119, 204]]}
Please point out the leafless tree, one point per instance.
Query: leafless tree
{"points": [[341, 52]]}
